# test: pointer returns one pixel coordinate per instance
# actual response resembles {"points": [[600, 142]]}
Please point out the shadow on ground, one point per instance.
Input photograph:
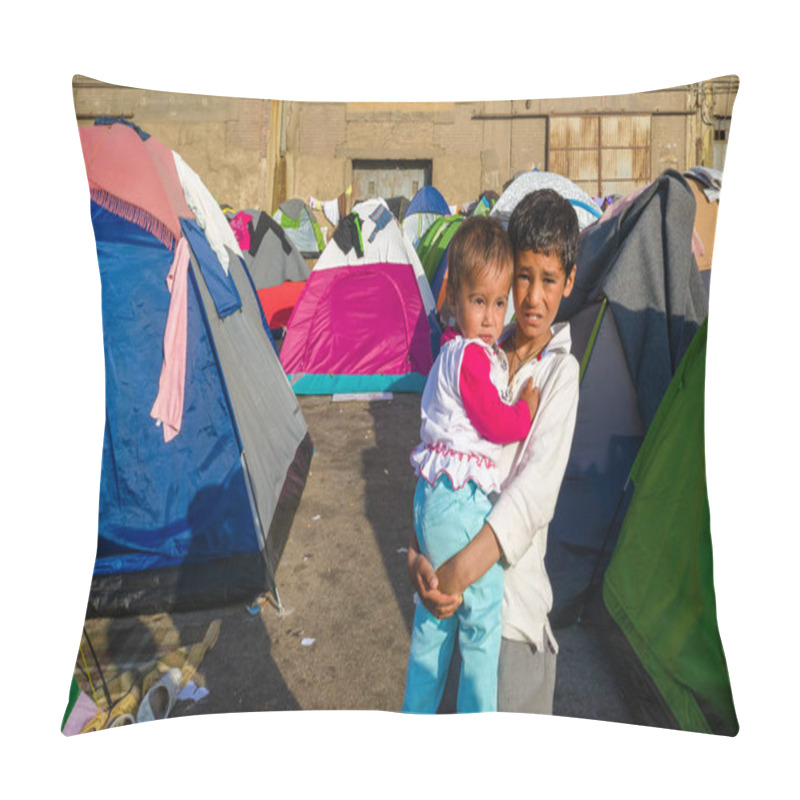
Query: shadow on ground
{"points": [[238, 672], [340, 640], [389, 485]]}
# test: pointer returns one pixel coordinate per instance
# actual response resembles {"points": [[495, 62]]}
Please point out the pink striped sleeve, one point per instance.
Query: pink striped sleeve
{"points": [[492, 418]]}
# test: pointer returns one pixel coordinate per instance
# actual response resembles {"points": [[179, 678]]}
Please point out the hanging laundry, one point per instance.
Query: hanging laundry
{"points": [[330, 208], [334, 210], [167, 409], [381, 216], [348, 234], [241, 229], [220, 284], [215, 225]]}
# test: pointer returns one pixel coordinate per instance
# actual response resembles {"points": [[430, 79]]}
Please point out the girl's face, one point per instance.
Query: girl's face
{"points": [[479, 305], [539, 284]]}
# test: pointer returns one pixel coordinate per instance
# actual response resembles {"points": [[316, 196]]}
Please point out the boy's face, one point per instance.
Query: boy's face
{"points": [[479, 306], [539, 284]]}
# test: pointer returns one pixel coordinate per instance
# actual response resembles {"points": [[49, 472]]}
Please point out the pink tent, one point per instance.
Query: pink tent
{"points": [[366, 320]]}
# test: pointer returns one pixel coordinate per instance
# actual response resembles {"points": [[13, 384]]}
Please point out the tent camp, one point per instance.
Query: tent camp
{"points": [[278, 270], [432, 246], [298, 220], [425, 208], [632, 514], [634, 489], [587, 210], [637, 301], [366, 319], [205, 453], [705, 185], [480, 207]]}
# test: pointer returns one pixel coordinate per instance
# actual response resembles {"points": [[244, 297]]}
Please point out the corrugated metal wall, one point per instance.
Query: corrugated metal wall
{"points": [[604, 155]]}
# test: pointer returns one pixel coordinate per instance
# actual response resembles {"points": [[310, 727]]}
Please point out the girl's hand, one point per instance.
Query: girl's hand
{"points": [[423, 579], [530, 394]]}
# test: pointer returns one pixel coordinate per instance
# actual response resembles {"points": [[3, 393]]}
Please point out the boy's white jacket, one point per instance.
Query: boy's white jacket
{"points": [[531, 473]]}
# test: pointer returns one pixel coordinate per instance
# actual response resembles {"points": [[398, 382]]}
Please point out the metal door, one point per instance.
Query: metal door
{"points": [[389, 178]]}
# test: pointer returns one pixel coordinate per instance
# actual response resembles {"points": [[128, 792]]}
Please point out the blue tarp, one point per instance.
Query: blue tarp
{"points": [[161, 504]]}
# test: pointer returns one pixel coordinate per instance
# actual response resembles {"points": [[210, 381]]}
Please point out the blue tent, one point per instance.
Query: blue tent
{"points": [[202, 519], [428, 199], [425, 208]]}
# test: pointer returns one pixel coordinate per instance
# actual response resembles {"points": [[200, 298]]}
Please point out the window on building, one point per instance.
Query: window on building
{"points": [[722, 127]]}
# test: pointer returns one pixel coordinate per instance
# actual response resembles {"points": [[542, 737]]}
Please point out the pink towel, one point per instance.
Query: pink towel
{"points": [[240, 229], [168, 407]]}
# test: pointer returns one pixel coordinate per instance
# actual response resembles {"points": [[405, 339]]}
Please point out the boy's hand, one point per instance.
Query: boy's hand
{"points": [[530, 394]]}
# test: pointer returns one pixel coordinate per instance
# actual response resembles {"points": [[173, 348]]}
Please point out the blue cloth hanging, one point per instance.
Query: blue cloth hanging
{"points": [[220, 285]]}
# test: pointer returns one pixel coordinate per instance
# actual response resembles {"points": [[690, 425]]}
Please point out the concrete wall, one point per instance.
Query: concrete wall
{"points": [[478, 146], [256, 153], [224, 140]]}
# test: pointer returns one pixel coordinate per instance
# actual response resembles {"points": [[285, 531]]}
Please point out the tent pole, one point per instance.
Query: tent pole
{"points": [[592, 337], [592, 580]]}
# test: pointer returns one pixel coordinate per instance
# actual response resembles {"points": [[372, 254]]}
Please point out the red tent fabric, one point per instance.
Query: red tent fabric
{"points": [[279, 301], [124, 179]]}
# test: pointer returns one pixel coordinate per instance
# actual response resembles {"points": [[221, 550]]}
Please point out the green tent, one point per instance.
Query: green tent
{"points": [[432, 252], [434, 243], [659, 585]]}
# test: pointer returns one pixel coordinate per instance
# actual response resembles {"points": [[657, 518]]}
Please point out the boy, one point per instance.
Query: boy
{"points": [[544, 236], [464, 424]]}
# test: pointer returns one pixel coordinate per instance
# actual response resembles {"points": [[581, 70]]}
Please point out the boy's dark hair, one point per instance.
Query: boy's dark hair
{"points": [[478, 244], [545, 222]]}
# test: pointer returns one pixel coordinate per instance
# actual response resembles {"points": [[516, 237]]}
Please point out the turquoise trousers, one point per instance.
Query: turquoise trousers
{"points": [[445, 521]]}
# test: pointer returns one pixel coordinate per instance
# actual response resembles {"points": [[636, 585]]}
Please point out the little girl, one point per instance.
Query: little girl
{"points": [[464, 424]]}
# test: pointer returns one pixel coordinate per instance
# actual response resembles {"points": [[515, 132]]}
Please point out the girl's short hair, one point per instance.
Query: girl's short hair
{"points": [[479, 244]]}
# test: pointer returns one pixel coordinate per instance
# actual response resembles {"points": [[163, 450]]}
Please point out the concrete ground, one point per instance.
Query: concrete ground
{"points": [[341, 638]]}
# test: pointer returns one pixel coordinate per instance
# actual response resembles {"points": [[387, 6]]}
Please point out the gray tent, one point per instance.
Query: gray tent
{"points": [[301, 226], [638, 300], [272, 257]]}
